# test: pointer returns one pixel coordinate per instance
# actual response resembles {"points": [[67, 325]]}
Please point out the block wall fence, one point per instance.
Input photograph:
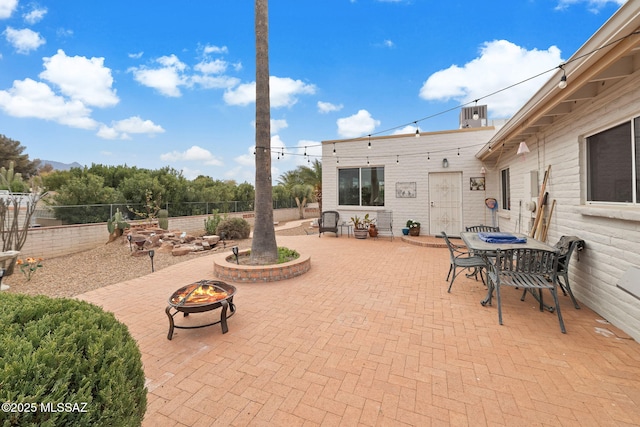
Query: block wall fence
{"points": [[50, 242]]}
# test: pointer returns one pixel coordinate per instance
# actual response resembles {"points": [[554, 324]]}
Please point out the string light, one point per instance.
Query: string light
{"points": [[562, 84], [476, 115], [397, 159], [563, 79]]}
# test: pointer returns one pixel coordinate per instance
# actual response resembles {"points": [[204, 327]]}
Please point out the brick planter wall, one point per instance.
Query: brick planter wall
{"points": [[232, 272]]}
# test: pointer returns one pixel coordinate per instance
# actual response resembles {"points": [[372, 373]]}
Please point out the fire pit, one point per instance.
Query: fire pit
{"points": [[201, 296]]}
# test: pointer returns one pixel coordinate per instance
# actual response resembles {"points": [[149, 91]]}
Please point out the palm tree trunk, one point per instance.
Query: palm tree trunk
{"points": [[263, 247]]}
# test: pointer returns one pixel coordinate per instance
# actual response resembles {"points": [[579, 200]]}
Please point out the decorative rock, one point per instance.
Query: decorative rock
{"points": [[181, 250], [212, 240]]}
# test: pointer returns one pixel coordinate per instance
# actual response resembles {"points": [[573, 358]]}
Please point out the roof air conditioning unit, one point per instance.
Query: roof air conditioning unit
{"points": [[473, 117]]}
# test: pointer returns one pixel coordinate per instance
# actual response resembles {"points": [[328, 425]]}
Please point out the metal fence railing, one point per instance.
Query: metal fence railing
{"points": [[90, 214]]}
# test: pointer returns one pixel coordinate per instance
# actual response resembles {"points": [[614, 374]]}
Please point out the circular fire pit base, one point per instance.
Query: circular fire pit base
{"points": [[200, 297]]}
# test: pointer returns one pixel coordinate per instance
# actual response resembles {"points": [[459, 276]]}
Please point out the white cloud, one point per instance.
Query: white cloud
{"points": [[217, 66], [277, 125], [357, 125], [500, 65], [593, 6], [284, 92], [25, 40], [193, 154], [166, 79], [35, 16], [7, 7], [327, 107], [208, 49], [136, 125], [135, 55], [248, 159], [215, 82], [406, 130], [28, 98], [87, 80]]}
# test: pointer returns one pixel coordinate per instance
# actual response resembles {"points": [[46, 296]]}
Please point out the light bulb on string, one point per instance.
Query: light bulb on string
{"points": [[417, 130], [334, 148], [563, 79], [476, 114], [428, 156], [397, 159], [369, 145]]}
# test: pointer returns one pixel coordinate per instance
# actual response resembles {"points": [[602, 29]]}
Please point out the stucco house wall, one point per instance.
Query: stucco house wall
{"points": [[409, 159], [611, 232]]}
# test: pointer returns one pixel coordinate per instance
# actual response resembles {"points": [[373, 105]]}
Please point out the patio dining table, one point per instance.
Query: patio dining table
{"points": [[474, 243]]}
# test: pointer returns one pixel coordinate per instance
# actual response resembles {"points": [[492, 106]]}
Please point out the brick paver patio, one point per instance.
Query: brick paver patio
{"points": [[371, 337]]}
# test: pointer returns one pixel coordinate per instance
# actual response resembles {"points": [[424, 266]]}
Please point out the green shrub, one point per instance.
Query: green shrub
{"points": [[212, 222], [57, 351], [286, 254], [234, 228]]}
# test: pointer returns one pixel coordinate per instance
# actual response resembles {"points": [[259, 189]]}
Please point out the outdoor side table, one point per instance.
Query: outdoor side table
{"points": [[349, 228]]}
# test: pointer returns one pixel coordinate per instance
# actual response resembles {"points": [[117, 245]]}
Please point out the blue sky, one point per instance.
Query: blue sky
{"points": [[153, 83]]}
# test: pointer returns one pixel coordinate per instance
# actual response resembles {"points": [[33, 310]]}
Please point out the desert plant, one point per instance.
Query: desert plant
{"points": [[13, 208], [234, 228], [116, 225], [212, 222], [163, 219], [58, 350]]}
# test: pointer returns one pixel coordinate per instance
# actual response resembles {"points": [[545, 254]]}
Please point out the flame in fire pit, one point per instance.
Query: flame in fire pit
{"points": [[198, 293]]}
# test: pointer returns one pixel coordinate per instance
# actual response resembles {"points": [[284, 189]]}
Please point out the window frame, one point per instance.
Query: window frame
{"points": [[360, 179], [505, 189], [634, 154]]}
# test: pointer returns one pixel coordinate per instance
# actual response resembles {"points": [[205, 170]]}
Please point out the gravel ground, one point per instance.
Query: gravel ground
{"points": [[104, 265]]}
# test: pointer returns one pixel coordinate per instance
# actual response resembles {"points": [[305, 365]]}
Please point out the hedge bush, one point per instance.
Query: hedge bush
{"points": [[57, 351], [234, 228]]}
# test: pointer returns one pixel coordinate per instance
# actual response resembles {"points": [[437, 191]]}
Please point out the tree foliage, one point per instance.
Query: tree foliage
{"points": [[12, 151]]}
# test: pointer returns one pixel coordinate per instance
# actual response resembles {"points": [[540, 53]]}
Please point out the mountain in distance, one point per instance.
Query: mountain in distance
{"points": [[59, 165]]}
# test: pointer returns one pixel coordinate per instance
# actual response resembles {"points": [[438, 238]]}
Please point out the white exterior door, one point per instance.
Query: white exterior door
{"points": [[445, 207]]}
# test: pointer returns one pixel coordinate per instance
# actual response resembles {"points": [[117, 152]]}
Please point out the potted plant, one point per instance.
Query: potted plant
{"points": [[373, 230], [360, 226], [414, 227]]}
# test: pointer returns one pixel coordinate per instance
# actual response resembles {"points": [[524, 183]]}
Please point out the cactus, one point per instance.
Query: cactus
{"points": [[116, 224], [163, 219]]}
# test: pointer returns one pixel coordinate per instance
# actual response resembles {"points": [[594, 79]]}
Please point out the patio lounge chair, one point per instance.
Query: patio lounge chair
{"points": [[462, 259], [530, 269], [384, 223], [328, 221]]}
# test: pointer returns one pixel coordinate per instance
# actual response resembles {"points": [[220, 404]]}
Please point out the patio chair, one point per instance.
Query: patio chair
{"points": [[530, 269], [328, 221], [384, 223], [463, 259], [567, 245], [483, 228]]}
